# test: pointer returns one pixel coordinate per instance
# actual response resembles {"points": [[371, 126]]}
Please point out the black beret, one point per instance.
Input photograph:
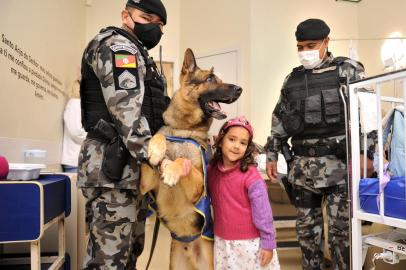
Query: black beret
{"points": [[312, 29], [150, 6]]}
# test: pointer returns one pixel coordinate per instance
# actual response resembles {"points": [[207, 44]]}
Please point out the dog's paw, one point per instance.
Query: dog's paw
{"points": [[174, 170], [156, 149]]}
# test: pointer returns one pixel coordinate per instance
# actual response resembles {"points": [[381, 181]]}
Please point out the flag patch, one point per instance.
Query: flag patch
{"points": [[125, 61]]}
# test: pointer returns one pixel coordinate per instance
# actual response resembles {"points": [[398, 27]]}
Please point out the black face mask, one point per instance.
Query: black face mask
{"points": [[149, 33]]}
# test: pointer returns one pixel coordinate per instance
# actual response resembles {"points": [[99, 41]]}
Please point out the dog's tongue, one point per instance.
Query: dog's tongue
{"points": [[215, 106], [217, 113]]}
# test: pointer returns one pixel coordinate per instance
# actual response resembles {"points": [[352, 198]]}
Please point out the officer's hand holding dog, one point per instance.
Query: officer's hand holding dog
{"points": [[271, 171]]}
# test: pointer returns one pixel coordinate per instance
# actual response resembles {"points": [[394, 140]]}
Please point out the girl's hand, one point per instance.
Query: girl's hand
{"points": [[265, 256]]}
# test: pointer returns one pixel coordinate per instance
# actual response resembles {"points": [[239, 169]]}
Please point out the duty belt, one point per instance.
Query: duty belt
{"points": [[314, 150]]}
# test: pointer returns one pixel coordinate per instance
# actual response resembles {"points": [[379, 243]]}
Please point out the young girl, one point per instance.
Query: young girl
{"points": [[244, 237]]}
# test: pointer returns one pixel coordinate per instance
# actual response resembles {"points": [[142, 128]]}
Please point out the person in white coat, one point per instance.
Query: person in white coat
{"points": [[73, 132]]}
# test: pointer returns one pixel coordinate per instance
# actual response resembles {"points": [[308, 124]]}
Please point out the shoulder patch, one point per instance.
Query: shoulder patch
{"points": [[127, 81], [123, 47], [125, 65], [125, 71], [125, 61]]}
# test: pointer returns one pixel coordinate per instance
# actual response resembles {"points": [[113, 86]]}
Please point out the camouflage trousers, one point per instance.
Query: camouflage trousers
{"points": [[309, 228], [116, 222]]}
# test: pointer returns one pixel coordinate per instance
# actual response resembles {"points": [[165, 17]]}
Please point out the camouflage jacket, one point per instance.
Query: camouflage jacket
{"points": [[120, 68], [320, 171]]}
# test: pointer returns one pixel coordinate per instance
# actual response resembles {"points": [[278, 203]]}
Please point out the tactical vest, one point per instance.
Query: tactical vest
{"points": [[154, 102], [313, 106]]}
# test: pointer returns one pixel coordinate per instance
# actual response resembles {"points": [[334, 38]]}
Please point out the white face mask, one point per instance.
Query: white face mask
{"points": [[309, 59]]}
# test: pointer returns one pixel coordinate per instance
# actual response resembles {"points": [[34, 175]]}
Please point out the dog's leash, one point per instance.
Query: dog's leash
{"points": [[154, 238]]}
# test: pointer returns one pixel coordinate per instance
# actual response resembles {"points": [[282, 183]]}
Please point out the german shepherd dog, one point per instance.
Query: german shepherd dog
{"points": [[189, 115]]}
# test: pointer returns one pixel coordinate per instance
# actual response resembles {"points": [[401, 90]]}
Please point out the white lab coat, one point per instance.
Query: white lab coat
{"points": [[73, 133]]}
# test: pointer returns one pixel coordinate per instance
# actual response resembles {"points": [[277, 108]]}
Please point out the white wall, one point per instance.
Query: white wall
{"points": [[52, 33], [216, 26], [100, 14], [273, 47], [377, 20]]}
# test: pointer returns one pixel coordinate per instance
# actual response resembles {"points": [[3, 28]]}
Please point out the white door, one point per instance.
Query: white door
{"points": [[226, 68]]}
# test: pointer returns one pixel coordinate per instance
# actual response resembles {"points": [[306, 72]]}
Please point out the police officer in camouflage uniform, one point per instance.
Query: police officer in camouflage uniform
{"points": [[122, 97], [310, 112]]}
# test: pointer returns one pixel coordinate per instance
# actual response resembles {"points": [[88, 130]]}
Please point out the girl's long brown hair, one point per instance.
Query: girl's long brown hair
{"points": [[246, 160]]}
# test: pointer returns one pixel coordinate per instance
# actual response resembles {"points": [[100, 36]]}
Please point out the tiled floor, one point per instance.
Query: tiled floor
{"points": [[289, 259]]}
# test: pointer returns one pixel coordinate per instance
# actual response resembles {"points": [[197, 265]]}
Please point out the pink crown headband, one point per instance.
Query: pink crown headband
{"points": [[240, 121]]}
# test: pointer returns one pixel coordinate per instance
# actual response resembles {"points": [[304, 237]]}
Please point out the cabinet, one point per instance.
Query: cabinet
{"points": [[28, 209]]}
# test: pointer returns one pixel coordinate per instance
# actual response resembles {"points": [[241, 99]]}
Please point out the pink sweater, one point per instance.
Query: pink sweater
{"points": [[241, 206]]}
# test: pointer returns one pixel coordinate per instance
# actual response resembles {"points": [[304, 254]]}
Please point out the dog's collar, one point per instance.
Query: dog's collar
{"points": [[199, 136], [192, 140], [185, 239]]}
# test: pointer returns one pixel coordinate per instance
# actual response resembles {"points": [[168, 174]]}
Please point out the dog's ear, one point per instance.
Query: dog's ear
{"points": [[189, 62]]}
